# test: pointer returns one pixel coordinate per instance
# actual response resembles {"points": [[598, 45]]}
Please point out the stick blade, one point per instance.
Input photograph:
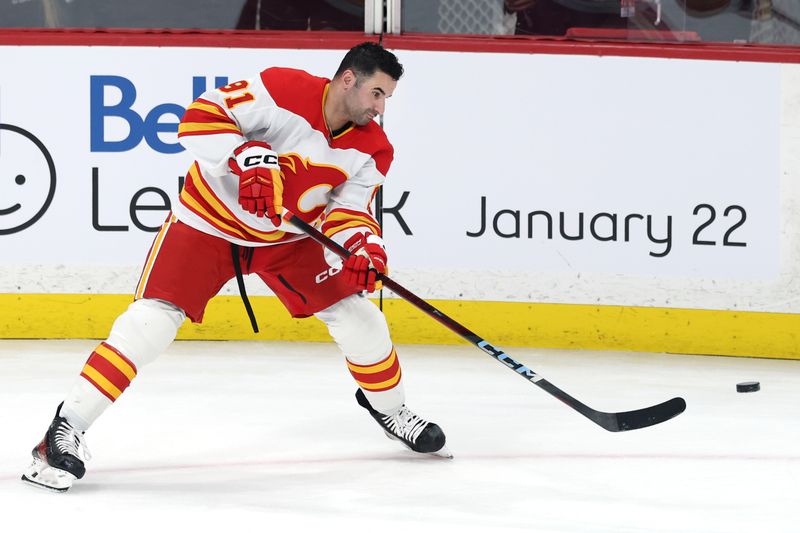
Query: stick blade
{"points": [[641, 418]]}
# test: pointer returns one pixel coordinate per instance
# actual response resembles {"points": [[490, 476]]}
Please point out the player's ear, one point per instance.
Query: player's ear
{"points": [[348, 78]]}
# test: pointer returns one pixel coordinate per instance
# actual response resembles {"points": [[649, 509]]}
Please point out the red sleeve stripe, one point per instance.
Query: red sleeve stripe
{"points": [[203, 117], [342, 219]]}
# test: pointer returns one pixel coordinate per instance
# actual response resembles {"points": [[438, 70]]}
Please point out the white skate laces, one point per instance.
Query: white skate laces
{"points": [[71, 442], [405, 424], [413, 431]]}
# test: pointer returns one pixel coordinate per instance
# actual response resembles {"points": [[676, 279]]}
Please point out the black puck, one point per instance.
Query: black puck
{"points": [[748, 386]]}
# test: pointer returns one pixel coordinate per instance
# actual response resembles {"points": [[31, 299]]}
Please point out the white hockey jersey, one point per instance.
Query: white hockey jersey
{"points": [[329, 180]]}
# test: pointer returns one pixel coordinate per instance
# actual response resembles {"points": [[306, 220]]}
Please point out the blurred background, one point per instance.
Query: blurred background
{"points": [[736, 21]]}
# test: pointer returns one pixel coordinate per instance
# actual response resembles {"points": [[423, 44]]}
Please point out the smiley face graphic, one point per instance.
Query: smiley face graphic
{"points": [[27, 179]]}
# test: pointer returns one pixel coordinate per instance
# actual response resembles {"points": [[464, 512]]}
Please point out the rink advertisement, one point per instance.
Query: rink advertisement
{"points": [[640, 174], [612, 181]]}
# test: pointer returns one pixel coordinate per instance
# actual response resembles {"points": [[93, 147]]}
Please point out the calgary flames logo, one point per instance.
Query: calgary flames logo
{"points": [[307, 185]]}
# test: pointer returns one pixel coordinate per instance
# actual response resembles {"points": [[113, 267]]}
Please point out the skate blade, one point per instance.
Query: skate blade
{"points": [[442, 452], [43, 476]]}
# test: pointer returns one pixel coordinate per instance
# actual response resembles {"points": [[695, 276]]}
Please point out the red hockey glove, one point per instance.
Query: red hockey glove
{"points": [[260, 180], [368, 259]]}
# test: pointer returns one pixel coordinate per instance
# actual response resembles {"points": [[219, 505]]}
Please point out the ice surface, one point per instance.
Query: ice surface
{"points": [[266, 436]]}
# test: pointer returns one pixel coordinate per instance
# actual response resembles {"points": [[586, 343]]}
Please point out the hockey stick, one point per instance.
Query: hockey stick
{"points": [[624, 421]]}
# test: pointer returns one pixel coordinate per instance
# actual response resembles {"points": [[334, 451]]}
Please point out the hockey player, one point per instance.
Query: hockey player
{"points": [[283, 139]]}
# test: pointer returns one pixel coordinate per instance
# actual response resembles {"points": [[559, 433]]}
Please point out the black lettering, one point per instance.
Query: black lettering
{"points": [[135, 207], [666, 240], [483, 220], [514, 215], [704, 225], [252, 160], [628, 224], [580, 227], [395, 211], [612, 219], [96, 205], [549, 218], [743, 216]]}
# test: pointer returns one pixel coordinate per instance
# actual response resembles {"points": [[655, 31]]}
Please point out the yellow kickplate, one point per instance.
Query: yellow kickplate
{"points": [[594, 327]]}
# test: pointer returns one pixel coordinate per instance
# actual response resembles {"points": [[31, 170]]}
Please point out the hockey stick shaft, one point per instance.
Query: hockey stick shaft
{"points": [[610, 421]]}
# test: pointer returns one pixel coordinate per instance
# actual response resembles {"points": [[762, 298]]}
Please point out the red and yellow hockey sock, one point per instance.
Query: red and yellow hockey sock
{"points": [[377, 377], [109, 371]]}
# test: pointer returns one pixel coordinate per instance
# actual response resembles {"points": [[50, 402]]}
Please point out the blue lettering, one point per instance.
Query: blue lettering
{"points": [[99, 111], [199, 85], [148, 128], [152, 127]]}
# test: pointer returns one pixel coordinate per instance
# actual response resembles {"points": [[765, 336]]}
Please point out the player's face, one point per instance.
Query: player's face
{"points": [[367, 99]]}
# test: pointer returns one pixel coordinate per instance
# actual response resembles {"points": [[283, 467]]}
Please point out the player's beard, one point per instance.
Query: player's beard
{"points": [[359, 115], [364, 118]]}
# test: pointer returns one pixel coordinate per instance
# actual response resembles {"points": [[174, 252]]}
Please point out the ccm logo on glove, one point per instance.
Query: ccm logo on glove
{"points": [[266, 160], [260, 180]]}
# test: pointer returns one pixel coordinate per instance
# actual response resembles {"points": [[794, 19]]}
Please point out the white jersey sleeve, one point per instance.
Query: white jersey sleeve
{"points": [[222, 119]]}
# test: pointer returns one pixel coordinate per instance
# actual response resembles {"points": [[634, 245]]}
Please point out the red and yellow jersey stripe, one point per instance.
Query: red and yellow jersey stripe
{"points": [[198, 197], [341, 219], [203, 118]]}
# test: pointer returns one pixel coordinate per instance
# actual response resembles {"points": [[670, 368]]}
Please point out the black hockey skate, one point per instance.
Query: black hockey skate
{"points": [[58, 459], [416, 433]]}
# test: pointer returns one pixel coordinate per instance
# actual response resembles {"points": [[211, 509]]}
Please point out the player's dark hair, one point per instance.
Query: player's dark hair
{"points": [[365, 58]]}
